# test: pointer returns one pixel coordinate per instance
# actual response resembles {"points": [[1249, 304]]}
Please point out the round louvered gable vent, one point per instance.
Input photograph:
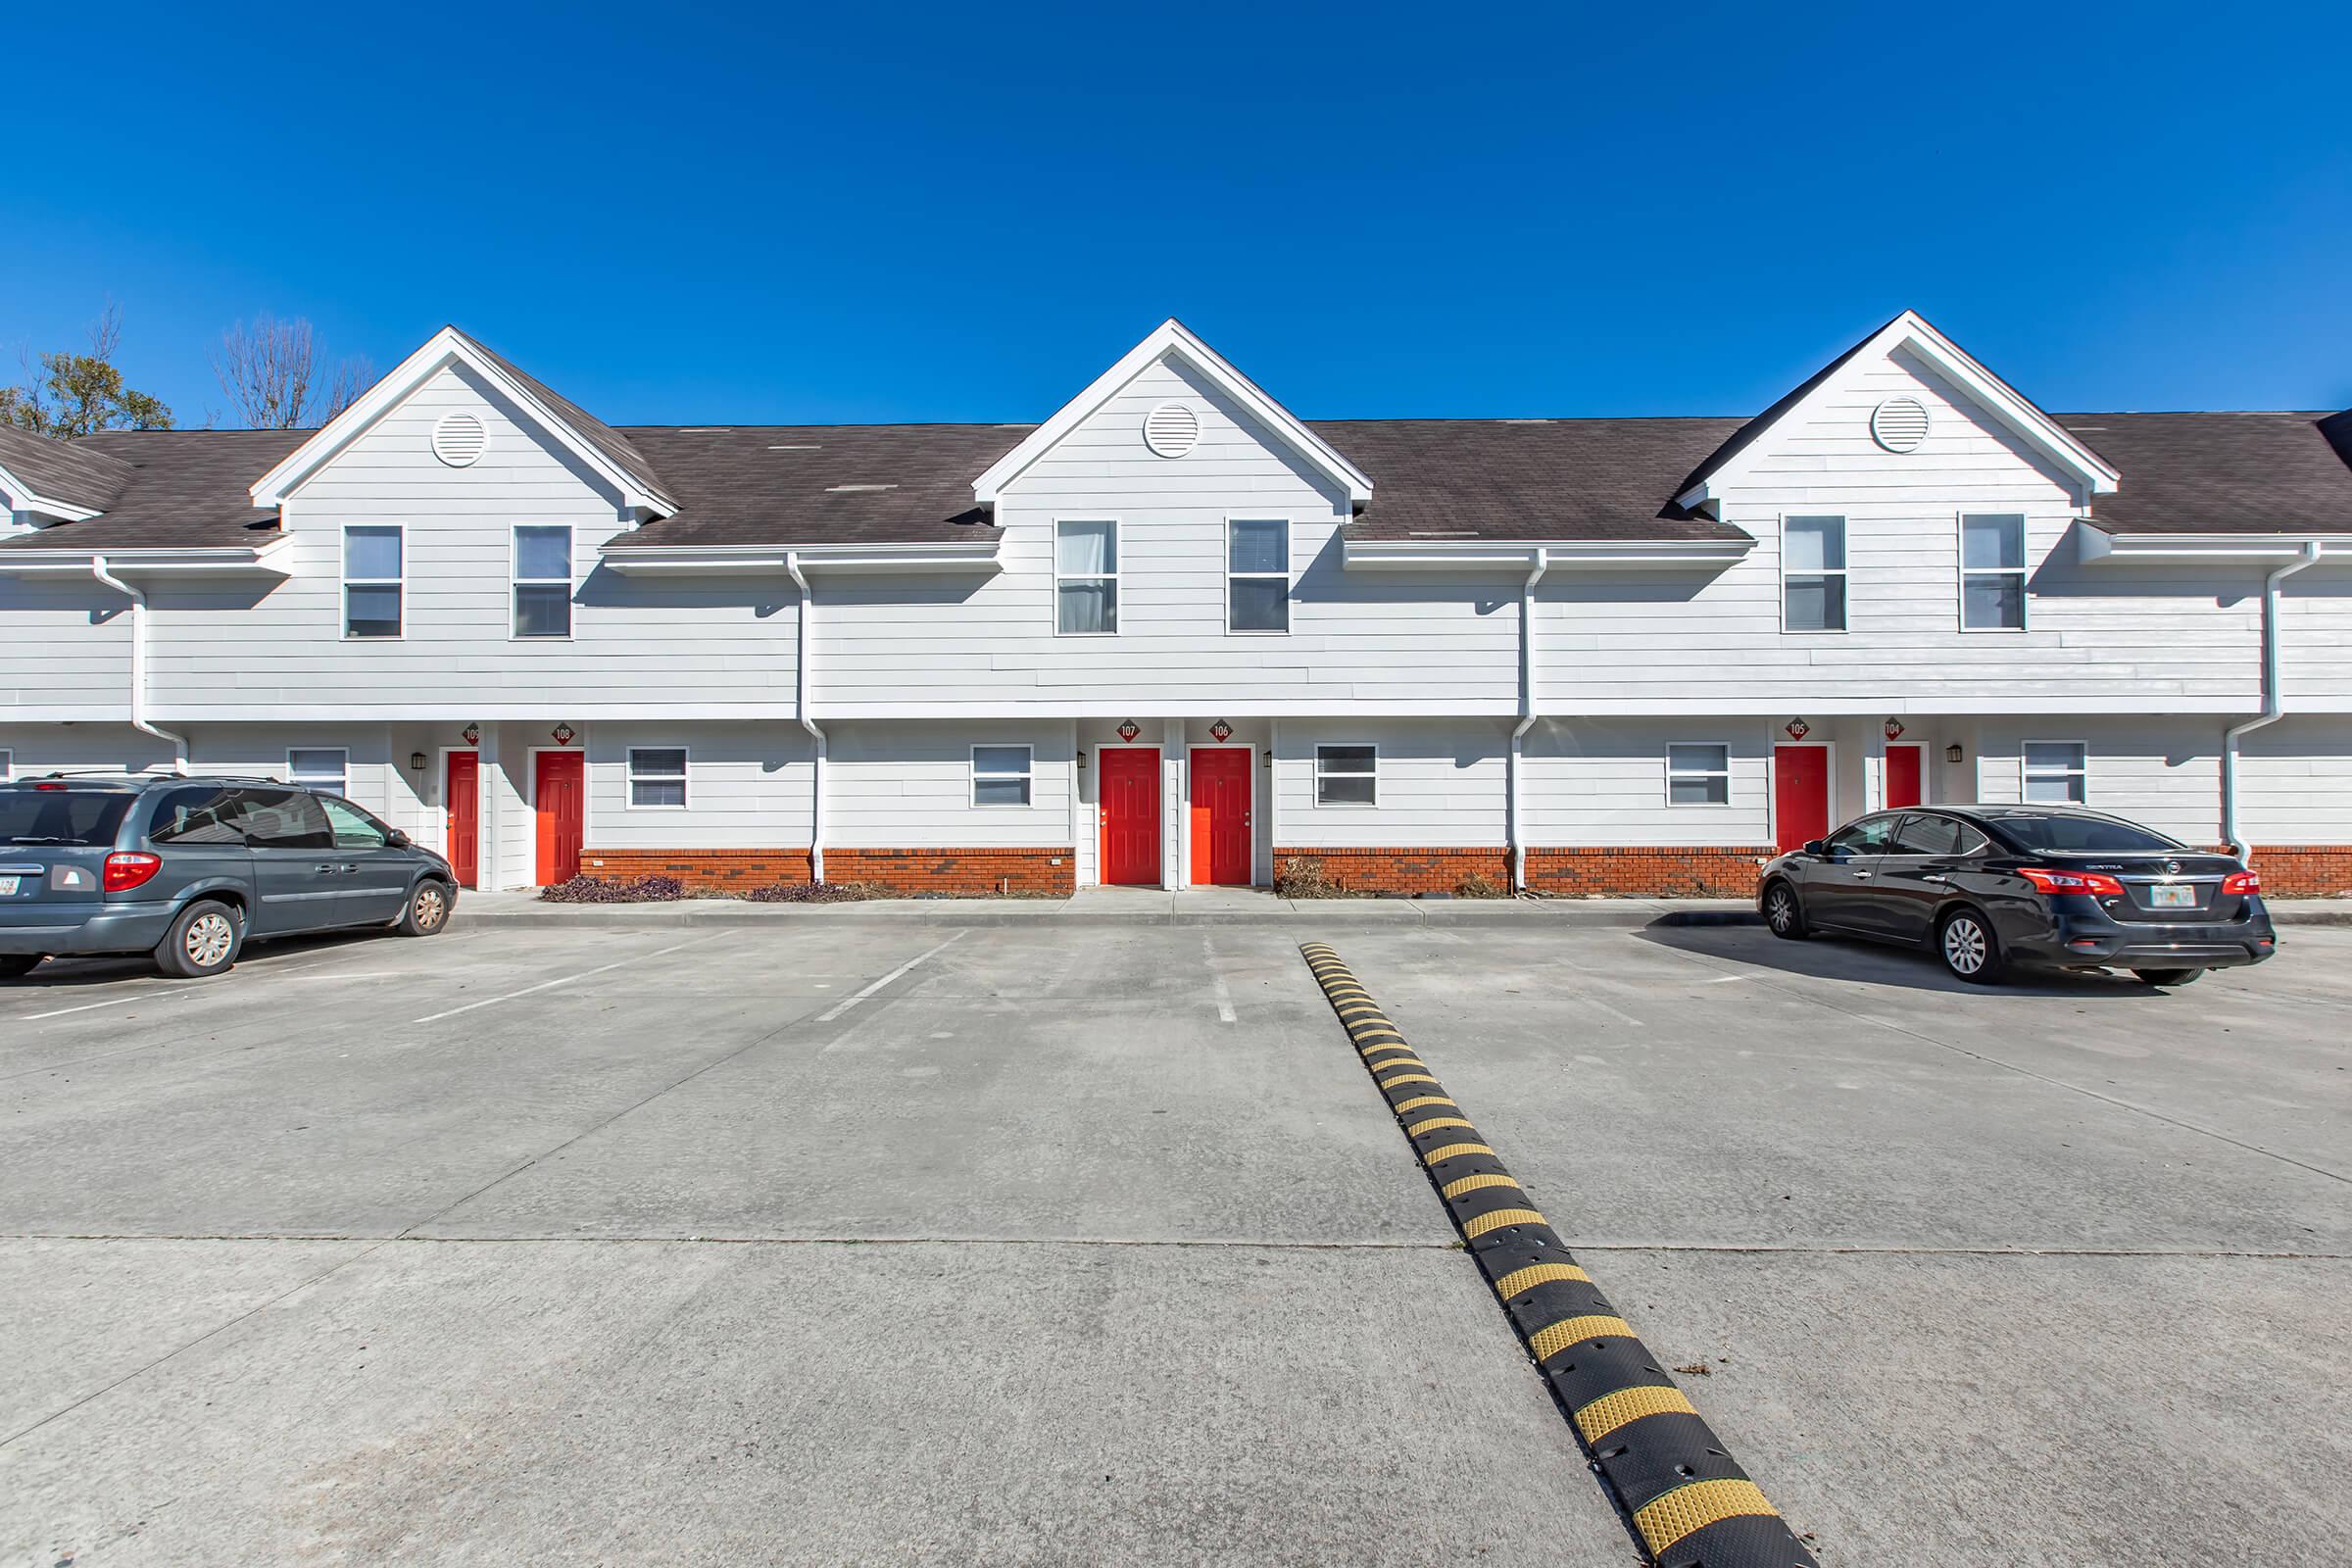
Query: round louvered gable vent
{"points": [[1900, 424], [459, 439], [1172, 429]]}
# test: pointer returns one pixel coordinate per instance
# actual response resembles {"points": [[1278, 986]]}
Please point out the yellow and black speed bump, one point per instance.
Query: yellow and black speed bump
{"points": [[1688, 1505]]}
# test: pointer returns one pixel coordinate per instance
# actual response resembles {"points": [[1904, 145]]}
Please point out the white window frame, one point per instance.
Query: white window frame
{"points": [[1028, 773], [1846, 586], [1321, 773], [1119, 556], [314, 781], [2026, 772], [1284, 574], [2024, 600], [1673, 773], [515, 579], [632, 775], [401, 582]]}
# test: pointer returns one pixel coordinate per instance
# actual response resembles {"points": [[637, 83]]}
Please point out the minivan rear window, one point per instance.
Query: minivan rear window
{"points": [[2082, 835], [33, 816]]}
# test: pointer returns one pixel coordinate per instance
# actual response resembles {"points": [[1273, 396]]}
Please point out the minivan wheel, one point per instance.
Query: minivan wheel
{"points": [[2169, 977], [13, 964], [203, 941], [1782, 913], [1969, 948], [428, 911]]}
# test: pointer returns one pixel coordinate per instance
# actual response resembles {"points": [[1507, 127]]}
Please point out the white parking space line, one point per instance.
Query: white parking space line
{"points": [[568, 979], [111, 1002], [1224, 995], [847, 1003]]}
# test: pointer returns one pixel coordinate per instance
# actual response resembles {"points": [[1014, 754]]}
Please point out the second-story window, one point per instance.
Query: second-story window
{"points": [[372, 583], [1257, 576], [1813, 574], [1086, 578], [1993, 574], [542, 580]]}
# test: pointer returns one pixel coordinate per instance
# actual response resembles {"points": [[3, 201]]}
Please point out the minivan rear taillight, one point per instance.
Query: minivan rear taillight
{"points": [[129, 868], [2242, 883], [2092, 884]]}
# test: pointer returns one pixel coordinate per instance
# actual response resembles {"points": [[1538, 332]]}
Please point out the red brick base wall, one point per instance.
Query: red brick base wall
{"points": [[965, 873], [2303, 870], [1405, 869], [1647, 871]]}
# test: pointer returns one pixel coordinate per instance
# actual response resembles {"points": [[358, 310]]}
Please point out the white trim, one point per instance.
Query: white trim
{"points": [[1490, 554], [2022, 572], [1172, 337], [1117, 553], [444, 347], [1845, 591], [1772, 786], [517, 580], [631, 777], [1995, 396], [1673, 775], [1248, 811], [247, 559], [2092, 543], [295, 777], [728, 559], [1290, 580], [21, 497], [1319, 775], [1027, 776], [2026, 772], [400, 530]]}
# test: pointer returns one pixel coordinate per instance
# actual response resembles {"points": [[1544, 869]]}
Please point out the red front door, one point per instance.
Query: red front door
{"points": [[1129, 781], [1800, 793], [1903, 775], [462, 802], [558, 790], [1221, 816]]}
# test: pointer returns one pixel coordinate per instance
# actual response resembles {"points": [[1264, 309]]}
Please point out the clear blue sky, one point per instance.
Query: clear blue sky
{"points": [[686, 213]]}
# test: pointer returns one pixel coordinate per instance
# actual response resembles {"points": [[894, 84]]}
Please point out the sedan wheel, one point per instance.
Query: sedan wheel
{"points": [[1782, 913], [1969, 948]]}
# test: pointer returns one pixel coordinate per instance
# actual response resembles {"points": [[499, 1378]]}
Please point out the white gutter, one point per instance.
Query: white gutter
{"points": [[138, 665], [1527, 709], [2273, 700], [800, 705]]}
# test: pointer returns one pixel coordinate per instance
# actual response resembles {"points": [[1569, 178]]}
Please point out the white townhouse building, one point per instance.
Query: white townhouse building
{"points": [[1175, 634]]}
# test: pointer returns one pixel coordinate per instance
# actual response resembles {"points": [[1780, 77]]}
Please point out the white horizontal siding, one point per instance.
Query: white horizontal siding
{"points": [[68, 646], [1603, 781], [747, 787], [2295, 781], [903, 786], [2163, 771], [1440, 783]]}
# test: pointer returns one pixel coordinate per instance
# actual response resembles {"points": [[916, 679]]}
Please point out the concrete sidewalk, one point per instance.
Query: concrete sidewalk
{"points": [[1197, 907]]}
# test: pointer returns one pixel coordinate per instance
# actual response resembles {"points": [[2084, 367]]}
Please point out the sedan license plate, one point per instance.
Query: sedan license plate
{"points": [[2163, 896], [8, 886]]}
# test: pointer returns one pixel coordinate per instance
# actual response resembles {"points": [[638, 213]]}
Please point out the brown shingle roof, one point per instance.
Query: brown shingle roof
{"points": [[180, 488], [74, 473], [2220, 472], [783, 484]]}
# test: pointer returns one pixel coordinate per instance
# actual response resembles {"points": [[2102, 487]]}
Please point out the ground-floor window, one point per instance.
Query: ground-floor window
{"points": [[4, 765], [1000, 775], [1698, 774], [1346, 775], [657, 778], [2056, 771], [320, 768]]}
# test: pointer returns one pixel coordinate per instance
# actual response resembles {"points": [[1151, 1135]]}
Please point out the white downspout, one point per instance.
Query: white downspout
{"points": [[2273, 700], [1526, 712], [138, 665], [799, 707]]}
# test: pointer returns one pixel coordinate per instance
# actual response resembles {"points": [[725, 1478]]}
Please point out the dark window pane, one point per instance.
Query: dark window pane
{"points": [[63, 817], [1698, 791], [542, 609], [354, 829], [1346, 758], [1000, 759], [1088, 606], [1994, 603], [283, 820], [1927, 835], [1698, 758], [999, 792], [372, 611], [543, 552], [657, 792], [372, 552], [1260, 547], [1261, 604], [2082, 835], [1816, 604], [196, 816], [666, 759], [1869, 836], [1343, 790]]}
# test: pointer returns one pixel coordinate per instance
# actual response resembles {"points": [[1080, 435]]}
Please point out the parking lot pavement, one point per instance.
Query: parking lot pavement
{"points": [[2050, 1274], [867, 1244]]}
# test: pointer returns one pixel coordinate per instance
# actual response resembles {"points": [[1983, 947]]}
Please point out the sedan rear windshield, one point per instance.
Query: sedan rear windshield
{"points": [[62, 816], [2084, 835]]}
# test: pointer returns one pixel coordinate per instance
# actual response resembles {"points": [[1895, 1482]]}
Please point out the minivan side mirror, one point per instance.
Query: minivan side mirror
{"points": [[1816, 847], [397, 840]]}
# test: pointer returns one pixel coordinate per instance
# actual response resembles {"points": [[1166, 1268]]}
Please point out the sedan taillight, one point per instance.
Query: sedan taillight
{"points": [[129, 868], [2242, 883], [2091, 884]]}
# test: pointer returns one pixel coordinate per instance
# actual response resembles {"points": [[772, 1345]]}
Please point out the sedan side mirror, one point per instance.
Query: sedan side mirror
{"points": [[1816, 847], [397, 840]]}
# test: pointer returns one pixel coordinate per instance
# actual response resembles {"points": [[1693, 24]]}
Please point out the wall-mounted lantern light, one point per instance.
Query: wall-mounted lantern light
{"points": [[416, 762], [1951, 753]]}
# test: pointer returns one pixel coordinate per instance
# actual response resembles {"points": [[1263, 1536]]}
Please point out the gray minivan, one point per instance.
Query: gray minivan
{"points": [[189, 867]]}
